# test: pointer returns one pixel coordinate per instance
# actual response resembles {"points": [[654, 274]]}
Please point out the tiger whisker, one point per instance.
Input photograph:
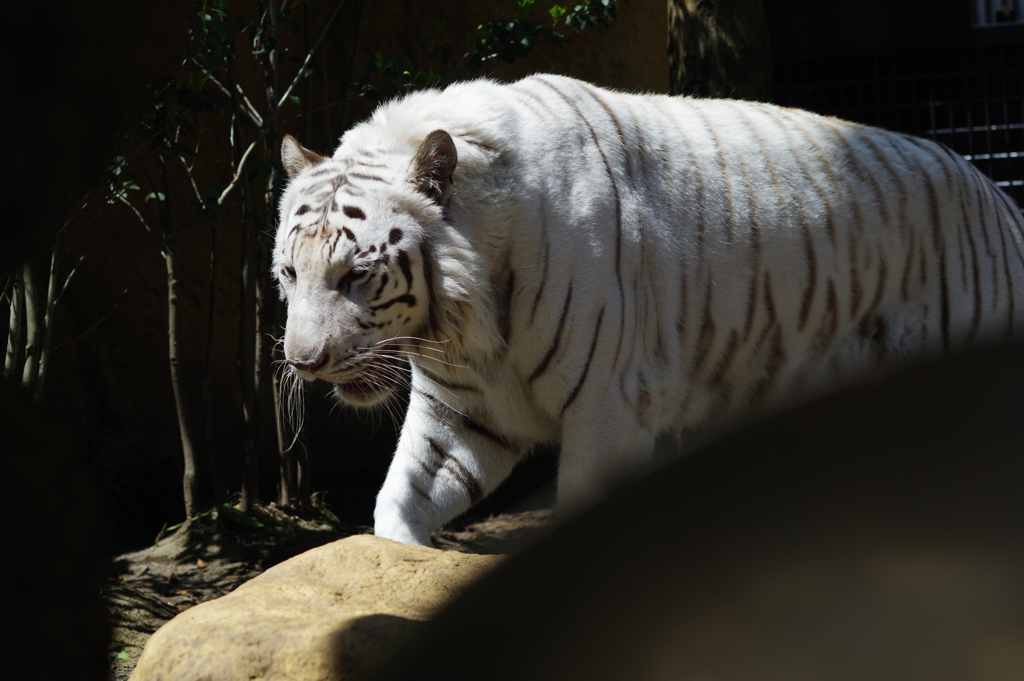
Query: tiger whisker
{"points": [[409, 353], [377, 378], [292, 400], [398, 377], [432, 349], [415, 338], [438, 385]]}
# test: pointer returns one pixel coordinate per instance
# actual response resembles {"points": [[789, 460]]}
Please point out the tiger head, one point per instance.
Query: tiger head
{"points": [[352, 258]]}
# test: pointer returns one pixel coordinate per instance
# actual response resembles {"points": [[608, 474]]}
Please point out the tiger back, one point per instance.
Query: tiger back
{"points": [[551, 262]]}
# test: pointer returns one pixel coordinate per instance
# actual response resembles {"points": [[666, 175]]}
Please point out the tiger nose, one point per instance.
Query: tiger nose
{"points": [[310, 365]]}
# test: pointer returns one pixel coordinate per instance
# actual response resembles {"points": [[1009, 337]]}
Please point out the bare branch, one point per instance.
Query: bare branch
{"points": [[191, 178], [238, 173], [78, 211], [137, 214], [248, 109], [74, 268], [263, 132], [309, 55], [158, 250], [44, 346], [33, 326], [186, 166], [7, 288], [12, 365], [67, 280]]}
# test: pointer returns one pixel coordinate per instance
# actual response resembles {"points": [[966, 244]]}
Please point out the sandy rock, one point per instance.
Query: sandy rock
{"points": [[326, 614]]}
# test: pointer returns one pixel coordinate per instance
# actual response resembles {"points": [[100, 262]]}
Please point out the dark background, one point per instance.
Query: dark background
{"points": [[918, 67]]}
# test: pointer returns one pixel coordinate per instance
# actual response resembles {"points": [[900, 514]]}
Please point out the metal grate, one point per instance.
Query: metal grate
{"points": [[971, 99], [996, 12]]}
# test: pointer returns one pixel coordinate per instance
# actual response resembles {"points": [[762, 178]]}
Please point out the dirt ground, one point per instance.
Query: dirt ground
{"points": [[222, 548]]}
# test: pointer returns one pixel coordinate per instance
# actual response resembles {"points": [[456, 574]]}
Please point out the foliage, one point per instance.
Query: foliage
{"points": [[177, 151], [387, 77], [515, 36], [203, 155], [511, 37]]}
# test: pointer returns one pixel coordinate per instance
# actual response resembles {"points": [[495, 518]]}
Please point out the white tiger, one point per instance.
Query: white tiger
{"points": [[551, 262]]}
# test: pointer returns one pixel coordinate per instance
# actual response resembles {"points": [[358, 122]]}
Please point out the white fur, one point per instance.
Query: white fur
{"points": [[723, 257]]}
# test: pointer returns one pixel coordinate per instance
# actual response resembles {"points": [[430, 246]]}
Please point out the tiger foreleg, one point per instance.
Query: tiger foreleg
{"points": [[441, 468], [598, 453]]}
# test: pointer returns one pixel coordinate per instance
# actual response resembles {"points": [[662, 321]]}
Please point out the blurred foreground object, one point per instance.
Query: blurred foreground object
{"points": [[75, 76], [877, 534], [53, 551]]}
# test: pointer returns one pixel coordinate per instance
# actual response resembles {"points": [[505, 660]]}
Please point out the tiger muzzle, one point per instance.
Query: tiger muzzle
{"points": [[308, 365]]}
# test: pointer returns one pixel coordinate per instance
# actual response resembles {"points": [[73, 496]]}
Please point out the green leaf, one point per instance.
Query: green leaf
{"points": [[123, 656], [557, 12], [233, 515], [294, 99], [159, 196], [380, 62], [125, 188]]}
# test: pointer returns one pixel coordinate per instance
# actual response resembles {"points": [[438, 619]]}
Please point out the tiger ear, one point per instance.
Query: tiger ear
{"points": [[296, 157], [434, 165]]}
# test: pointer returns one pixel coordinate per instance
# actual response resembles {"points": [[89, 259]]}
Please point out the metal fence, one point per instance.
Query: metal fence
{"points": [[971, 99]]}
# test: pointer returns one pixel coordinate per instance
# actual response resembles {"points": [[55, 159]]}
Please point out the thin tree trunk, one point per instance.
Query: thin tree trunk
{"points": [[254, 268], [12, 363], [307, 95], [261, 348], [303, 469], [254, 335], [249, 335], [246, 355], [44, 347], [327, 99], [211, 318], [189, 480], [719, 48], [7, 294], [266, 310], [286, 491], [363, 9], [30, 369], [289, 494], [246, 322]]}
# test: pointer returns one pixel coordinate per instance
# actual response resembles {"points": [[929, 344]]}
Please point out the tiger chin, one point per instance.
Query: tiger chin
{"points": [[548, 262]]}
